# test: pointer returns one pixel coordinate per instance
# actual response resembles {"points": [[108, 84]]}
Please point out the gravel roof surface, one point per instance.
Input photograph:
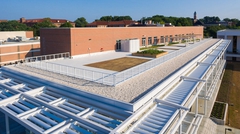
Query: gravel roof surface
{"points": [[132, 89]]}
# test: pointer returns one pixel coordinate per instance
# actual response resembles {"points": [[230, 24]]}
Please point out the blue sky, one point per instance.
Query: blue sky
{"points": [[94, 9]]}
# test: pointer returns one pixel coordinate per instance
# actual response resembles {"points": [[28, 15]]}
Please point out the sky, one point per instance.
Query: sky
{"points": [[94, 9]]}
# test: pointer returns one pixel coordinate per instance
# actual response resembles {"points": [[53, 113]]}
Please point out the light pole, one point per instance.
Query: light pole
{"points": [[227, 129]]}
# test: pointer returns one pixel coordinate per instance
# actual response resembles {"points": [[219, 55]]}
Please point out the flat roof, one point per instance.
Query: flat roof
{"points": [[229, 32], [55, 108], [29, 42], [140, 84]]}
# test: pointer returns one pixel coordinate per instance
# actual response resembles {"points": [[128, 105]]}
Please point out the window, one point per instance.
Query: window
{"points": [[118, 45], [171, 39], [143, 41], [166, 38], [149, 40], [162, 39], [155, 41]]}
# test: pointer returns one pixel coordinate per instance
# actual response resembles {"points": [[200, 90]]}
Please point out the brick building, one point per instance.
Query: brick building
{"points": [[91, 40], [123, 23], [56, 22], [13, 50]]}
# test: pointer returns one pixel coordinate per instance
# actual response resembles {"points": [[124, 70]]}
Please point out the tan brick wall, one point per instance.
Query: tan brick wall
{"points": [[25, 48], [29, 34], [88, 40], [6, 57], [36, 45], [11, 57], [10, 49]]}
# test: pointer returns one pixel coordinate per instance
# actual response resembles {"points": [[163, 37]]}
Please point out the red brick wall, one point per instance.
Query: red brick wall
{"points": [[79, 40]]}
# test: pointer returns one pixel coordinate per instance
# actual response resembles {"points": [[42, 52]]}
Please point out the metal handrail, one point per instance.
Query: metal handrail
{"points": [[112, 79]]}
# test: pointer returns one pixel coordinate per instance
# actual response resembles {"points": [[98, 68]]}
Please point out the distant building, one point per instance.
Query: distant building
{"points": [[123, 23], [15, 46], [56, 22], [233, 50], [3, 21], [197, 22]]}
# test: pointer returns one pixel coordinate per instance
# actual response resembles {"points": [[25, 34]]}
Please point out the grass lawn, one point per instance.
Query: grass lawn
{"points": [[119, 64], [229, 92]]}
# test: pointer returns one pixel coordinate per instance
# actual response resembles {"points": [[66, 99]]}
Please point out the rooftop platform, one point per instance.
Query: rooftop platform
{"points": [[13, 43], [161, 107], [141, 83]]}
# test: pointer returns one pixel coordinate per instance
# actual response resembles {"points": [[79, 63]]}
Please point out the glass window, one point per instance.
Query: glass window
{"points": [[143, 41], [149, 40], [155, 41], [162, 39]]}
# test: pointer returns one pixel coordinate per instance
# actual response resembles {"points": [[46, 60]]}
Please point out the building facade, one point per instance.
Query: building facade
{"points": [[123, 23], [92, 40], [233, 50], [56, 22], [13, 50]]}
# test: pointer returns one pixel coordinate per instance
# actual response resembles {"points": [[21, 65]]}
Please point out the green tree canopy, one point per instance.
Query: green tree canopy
{"points": [[212, 31], [208, 19], [115, 18], [13, 26], [66, 24], [80, 22], [45, 23], [174, 20]]}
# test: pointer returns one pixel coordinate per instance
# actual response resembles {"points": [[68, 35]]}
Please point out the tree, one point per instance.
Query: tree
{"points": [[227, 19], [13, 26], [115, 18], [66, 24], [212, 31], [45, 23], [208, 19], [80, 22]]}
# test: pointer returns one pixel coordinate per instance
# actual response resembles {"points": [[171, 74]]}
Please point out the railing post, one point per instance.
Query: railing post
{"points": [[84, 74], [114, 80], [92, 76], [102, 78], [67, 70]]}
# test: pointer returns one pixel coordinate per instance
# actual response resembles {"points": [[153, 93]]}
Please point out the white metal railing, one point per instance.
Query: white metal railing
{"points": [[48, 57], [129, 73], [97, 76]]}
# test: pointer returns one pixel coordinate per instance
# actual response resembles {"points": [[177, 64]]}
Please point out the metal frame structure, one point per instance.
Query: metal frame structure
{"points": [[44, 107], [42, 110], [167, 115]]}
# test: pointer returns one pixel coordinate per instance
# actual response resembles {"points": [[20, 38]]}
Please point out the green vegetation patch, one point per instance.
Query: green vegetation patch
{"points": [[154, 46], [218, 110], [151, 51], [172, 43]]}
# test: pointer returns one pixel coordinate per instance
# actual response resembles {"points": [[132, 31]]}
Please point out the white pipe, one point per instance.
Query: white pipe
{"points": [[48, 96], [74, 106], [48, 120], [43, 98], [39, 122], [69, 131], [15, 109], [68, 108], [21, 106]]}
